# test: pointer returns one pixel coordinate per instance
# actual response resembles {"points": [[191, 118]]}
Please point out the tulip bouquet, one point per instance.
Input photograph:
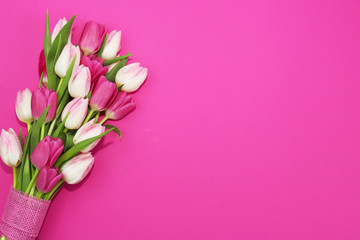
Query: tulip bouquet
{"points": [[81, 87]]}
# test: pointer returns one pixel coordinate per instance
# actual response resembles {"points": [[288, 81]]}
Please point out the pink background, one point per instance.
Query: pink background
{"points": [[248, 126]]}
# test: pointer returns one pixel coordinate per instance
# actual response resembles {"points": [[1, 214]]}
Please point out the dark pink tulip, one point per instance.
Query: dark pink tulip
{"points": [[95, 65], [47, 152], [103, 95], [121, 106], [42, 67], [41, 98], [92, 37], [47, 179]]}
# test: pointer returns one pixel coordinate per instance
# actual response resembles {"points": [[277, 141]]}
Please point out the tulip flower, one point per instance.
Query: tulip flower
{"points": [[112, 45], [92, 37], [59, 25], [42, 68], [46, 152], [121, 106], [103, 95], [41, 98], [77, 110], [79, 84], [75, 170], [66, 57], [95, 65], [131, 76], [47, 179], [87, 131], [10, 148], [23, 106]]}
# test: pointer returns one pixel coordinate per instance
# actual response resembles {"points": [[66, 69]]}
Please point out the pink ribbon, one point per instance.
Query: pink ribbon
{"points": [[23, 216]]}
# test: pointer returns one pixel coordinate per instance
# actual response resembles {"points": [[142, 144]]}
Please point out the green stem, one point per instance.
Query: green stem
{"points": [[39, 194], [42, 132], [15, 177], [32, 190], [61, 81], [3, 237], [97, 117], [51, 129], [49, 195], [88, 116], [32, 181], [65, 130], [103, 120], [28, 126]]}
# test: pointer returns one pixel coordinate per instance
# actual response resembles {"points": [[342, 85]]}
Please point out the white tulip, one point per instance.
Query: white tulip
{"points": [[75, 170], [112, 45], [10, 148], [23, 106]]}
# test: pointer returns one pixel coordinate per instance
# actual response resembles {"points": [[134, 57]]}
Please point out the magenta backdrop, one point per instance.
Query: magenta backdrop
{"points": [[248, 126]]}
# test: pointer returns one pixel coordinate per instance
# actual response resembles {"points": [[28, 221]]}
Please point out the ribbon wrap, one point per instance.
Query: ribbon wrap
{"points": [[23, 216]]}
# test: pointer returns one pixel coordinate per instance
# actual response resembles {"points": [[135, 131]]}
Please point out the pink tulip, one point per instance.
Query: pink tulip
{"points": [[79, 84], [92, 37], [131, 76], [42, 68], [75, 170], [59, 25], [87, 131], [112, 45], [77, 110], [10, 148], [103, 95], [66, 57], [47, 152], [95, 65], [47, 179], [121, 106], [23, 106], [41, 98]]}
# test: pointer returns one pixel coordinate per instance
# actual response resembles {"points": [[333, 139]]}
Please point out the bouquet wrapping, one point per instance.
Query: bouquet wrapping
{"points": [[81, 87]]}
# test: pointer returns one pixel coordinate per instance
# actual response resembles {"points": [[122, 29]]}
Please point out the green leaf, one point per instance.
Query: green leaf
{"points": [[60, 128], [102, 46], [21, 137], [36, 130], [74, 150], [64, 83], [111, 75], [26, 178], [41, 80], [54, 53], [62, 104], [68, 140], [47, 37], [108, 62], [114, 128]]}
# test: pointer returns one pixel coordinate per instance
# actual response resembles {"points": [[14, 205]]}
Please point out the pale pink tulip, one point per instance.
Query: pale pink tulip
{"points": [[87, 131], [77, 110], [79, 85], [112, 45], [23, 106], [66, 57], [131, 76], [75, 170], [10, 148]]}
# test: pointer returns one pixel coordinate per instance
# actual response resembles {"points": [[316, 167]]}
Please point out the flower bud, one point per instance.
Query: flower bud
{"points": [[103, 95], [121, 106], [79, 84], [23, 106], [87, 131], [66, 57], [92, 37], [40, 99], [112, 45], [131, 76], [46, 152], [77, 110], [47, 179], [95, 65], [59, 25], [75, 170], [10, 148]]}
